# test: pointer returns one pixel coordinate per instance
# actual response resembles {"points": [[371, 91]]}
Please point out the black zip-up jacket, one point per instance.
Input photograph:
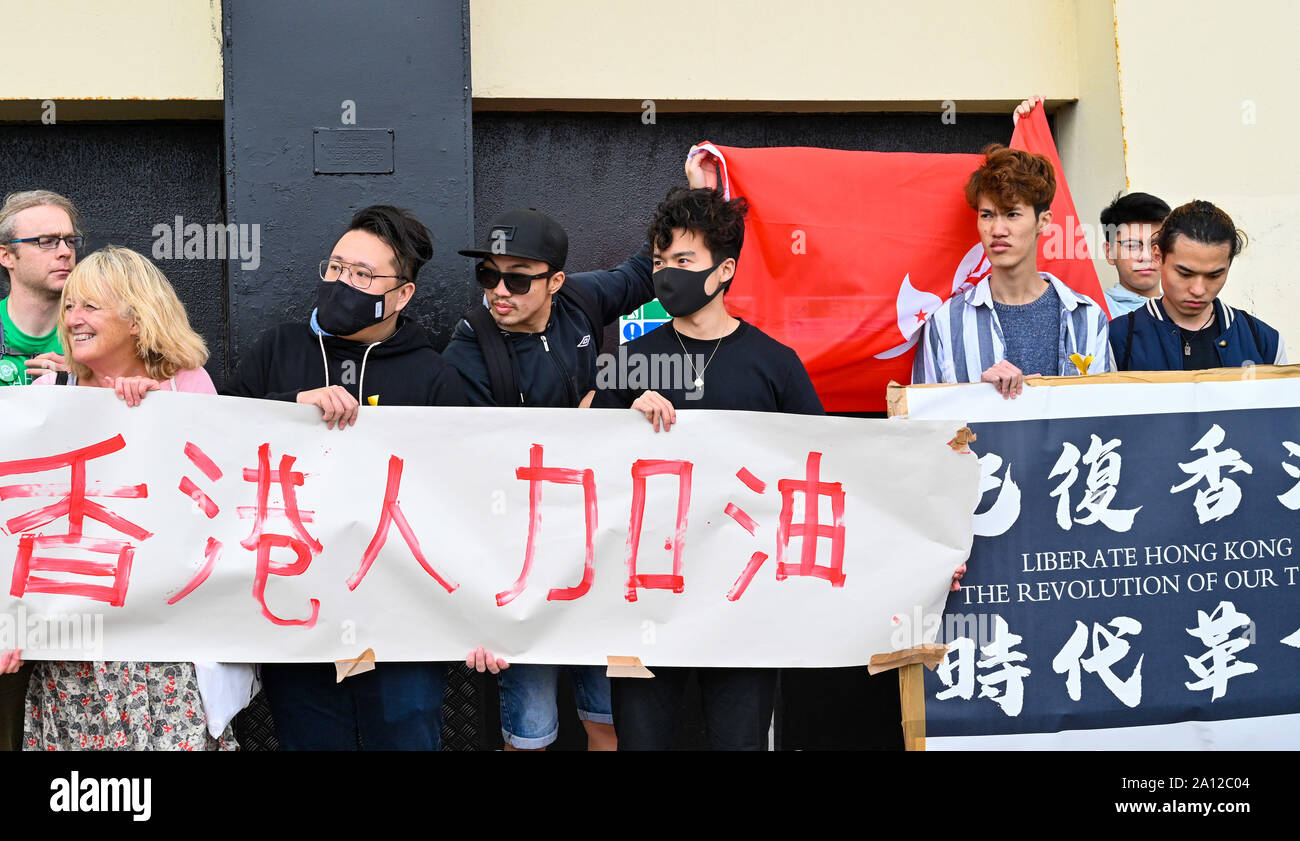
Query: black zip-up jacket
{"points": [[557, 366], [402, 370]]}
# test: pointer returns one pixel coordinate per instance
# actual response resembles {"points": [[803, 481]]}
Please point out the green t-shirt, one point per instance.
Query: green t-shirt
{"points": [[17, 347]]}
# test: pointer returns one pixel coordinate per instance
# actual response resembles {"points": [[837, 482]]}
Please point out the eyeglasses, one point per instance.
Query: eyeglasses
{"points": [[1131, 247], [361, 278], [518, 284], [51, 241]]}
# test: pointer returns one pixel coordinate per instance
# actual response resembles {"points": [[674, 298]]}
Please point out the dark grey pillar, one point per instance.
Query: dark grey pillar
{"points": [[332, 105]]}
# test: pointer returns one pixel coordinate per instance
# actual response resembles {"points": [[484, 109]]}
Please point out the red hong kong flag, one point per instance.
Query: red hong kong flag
{"points": [[1063, 248], [847, 253]]}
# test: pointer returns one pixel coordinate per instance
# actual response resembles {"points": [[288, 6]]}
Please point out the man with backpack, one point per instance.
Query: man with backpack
{"points": [[1190, 328], [533, 341]]}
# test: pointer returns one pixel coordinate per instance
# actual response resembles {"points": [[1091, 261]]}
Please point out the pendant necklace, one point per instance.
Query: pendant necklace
{"points": [[699, 378], [1187, 341]]}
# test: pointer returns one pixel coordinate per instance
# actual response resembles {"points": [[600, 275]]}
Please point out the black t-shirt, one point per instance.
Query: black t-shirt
{"points": [[1201, 343], [746, 370]]}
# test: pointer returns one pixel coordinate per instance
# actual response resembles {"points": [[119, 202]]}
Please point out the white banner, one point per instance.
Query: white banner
{"points": [[212, 528]]}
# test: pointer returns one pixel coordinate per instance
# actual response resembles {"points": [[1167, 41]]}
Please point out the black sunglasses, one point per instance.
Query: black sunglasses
{"points": [[518, 284]]}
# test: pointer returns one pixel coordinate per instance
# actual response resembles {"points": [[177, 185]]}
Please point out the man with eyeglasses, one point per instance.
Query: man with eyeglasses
{"points": [[1129, 224], [40, 232], [359, 349]]}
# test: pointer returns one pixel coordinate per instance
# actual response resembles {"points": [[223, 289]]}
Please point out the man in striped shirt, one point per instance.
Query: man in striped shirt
{"points": [[1018, 321]]}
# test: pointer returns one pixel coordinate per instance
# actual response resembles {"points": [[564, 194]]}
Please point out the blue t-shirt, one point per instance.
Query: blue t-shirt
{"points": [[1032, 332]]}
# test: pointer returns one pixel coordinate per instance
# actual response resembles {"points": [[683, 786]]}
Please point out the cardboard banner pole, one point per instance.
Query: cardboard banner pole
{"points": [[911, 697]]}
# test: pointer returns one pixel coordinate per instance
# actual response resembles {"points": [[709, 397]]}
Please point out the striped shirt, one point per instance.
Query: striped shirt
{"points": [[963, 338]]}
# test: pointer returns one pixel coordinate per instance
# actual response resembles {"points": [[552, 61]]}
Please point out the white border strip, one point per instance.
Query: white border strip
{"points": [[981, 402], [1270, 732]]}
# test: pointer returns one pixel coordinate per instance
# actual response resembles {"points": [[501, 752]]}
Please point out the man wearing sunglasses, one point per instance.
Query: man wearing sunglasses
{"points": [[359, 349], [40, 232], [533, 341]]}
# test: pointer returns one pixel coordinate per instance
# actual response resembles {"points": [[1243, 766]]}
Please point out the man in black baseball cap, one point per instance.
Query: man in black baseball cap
{"points": [[533, 341], [523, 246], [534, 338]]}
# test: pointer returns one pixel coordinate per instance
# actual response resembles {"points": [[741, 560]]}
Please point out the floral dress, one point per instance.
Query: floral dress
{"points": [[120, 705], [117, 706]]}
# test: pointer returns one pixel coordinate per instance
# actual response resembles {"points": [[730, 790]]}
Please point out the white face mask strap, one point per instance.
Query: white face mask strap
{"points": [[323, 359]]}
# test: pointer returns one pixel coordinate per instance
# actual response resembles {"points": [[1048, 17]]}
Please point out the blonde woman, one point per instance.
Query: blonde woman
{"points": [[123, 328]]}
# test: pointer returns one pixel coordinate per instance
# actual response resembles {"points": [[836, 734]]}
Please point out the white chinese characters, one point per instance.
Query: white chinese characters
{"points": [[1002, 515], [1223, 495], [1005, 681], [1103, 479], [1214, 668], [1107, 650]]}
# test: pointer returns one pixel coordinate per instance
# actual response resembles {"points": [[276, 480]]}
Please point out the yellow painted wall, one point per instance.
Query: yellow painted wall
{"points": [[111, 49], [1190, 74], [1088, 132], [835, 51], [1182, 98]]}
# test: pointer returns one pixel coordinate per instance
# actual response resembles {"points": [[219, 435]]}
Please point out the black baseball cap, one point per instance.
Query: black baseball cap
{"points": [[527, 233]]}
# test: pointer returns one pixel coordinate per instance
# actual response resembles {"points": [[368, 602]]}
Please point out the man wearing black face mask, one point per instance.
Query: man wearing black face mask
{"points": [[358, 349], [548, 322], [533, 341], [726, 364]]}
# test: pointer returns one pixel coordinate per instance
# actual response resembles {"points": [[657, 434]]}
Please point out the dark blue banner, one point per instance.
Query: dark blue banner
{"points": [[1129, 570]]}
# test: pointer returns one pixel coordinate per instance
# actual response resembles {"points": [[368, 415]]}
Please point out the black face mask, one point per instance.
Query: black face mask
{"points": [[681, 291], [342, 309]]}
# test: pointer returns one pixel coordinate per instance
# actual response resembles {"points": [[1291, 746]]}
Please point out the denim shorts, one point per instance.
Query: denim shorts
{"points": [[529, 717]]}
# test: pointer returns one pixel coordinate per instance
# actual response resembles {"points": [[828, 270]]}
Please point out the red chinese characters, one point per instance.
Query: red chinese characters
{"points": [[813, 489], [300, 542], [389, 515], [74, 505], [641, 469], [535, 474], [810, 530]]}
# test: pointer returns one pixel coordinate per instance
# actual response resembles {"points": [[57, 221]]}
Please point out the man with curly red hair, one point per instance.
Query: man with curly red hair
{"points": [[1018, 321]]}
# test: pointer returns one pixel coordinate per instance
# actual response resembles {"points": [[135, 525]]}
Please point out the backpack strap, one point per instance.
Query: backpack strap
{"points": [[590, 307], [501, 377], [61, 378], [1128, 344]]}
